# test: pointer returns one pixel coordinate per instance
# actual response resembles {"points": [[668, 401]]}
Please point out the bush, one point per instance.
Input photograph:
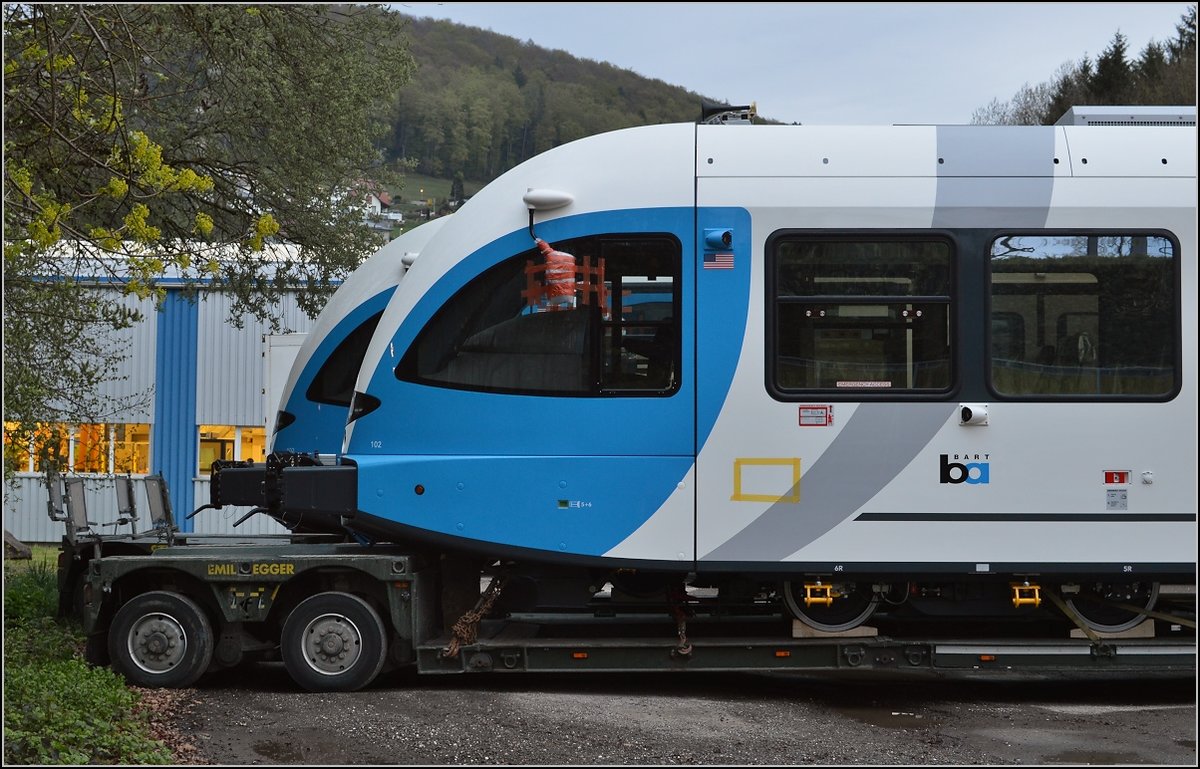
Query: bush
{"points": [[30, 592], [57, 708], [66, 712]]}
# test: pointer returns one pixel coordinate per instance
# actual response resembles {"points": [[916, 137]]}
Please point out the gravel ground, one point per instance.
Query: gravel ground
{"points": [[258, 716]]}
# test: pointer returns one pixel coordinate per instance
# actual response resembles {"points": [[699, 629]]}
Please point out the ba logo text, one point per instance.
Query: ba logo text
{"points": [[964, 472]]}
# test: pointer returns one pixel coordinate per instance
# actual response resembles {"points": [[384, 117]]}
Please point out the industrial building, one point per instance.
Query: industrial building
{"points": [[192, 388]]}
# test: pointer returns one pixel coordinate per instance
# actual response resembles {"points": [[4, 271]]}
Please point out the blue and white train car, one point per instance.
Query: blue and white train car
{"points": [[316, 397], [887, 363]]}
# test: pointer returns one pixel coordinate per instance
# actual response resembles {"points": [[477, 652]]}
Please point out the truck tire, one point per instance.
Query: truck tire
{"points": [[160, 640], [333, 642]]}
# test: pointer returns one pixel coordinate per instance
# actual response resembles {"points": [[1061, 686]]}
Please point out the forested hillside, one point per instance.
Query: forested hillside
{"points": [[480, 103]]}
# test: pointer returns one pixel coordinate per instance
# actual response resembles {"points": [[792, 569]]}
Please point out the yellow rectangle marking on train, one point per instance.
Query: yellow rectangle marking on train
{"points": [[772, 479]]}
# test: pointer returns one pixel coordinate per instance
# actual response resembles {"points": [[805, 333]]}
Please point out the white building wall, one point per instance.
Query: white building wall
{"points": [[229, 371], [133, 389]]}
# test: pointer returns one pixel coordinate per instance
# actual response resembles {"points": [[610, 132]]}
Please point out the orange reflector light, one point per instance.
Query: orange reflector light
{"points": [[987, 657], [782, 653], [578, 655], [401, 585]]}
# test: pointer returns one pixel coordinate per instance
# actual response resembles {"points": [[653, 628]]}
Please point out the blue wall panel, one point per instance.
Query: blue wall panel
{"points": [[175, 448]]}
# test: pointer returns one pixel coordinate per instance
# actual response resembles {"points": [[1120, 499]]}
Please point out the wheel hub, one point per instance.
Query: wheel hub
{"points": [[332, 644], [157, 643]]}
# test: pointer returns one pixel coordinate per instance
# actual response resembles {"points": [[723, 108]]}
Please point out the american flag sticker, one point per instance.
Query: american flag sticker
{"points": [[718, 261]]}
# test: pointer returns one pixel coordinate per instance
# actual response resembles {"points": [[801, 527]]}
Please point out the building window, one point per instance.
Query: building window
{"points": [[852, 315], [230, 442], [591, 316], [131, 448], [1084, 315], [84, 448], [33, 449], [90, 448]]}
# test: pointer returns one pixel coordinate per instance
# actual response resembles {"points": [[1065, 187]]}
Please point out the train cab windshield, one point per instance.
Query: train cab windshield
{"points": [[599, 316]]}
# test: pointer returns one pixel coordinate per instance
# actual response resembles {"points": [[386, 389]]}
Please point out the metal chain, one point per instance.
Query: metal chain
{"points": [[675, 600], [466, 629]]}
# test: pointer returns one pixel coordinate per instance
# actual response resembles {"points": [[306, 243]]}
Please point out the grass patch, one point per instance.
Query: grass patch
{"points": [[43, 556], [418, 187], [57, 708]]}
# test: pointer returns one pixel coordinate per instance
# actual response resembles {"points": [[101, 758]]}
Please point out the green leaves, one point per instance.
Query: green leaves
{"points": [[187, 140], [66, 712], [57, 708]]}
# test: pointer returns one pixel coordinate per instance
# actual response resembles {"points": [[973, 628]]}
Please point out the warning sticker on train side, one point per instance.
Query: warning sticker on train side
{"points": [[816, 416]]}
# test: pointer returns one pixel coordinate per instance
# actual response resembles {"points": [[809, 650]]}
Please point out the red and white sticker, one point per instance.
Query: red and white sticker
{"points": [[1116, 477], [816, 416]]}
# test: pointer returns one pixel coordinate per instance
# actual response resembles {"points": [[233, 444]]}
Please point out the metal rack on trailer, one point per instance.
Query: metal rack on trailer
{"points": [[508, 647]]}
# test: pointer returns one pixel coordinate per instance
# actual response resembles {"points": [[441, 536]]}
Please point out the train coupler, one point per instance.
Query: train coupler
{"points": [[1026, 594]]}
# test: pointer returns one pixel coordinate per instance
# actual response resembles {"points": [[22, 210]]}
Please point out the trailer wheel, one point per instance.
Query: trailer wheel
{"points": [[856, 603], [333, 642], [160, 640]]}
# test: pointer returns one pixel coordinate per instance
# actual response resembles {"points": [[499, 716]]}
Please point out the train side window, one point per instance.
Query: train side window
{"points": [[1097, 316], [859, 315], [597, 316], [334, 382]]}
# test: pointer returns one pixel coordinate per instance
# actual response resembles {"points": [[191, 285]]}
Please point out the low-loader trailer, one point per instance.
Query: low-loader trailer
{"points": [[339, 613]]}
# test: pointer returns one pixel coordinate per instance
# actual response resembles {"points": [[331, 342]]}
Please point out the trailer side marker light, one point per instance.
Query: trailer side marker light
{"points": [[1025, 594], [419, 489], [782, 653], [987, 657], [579, 655]]}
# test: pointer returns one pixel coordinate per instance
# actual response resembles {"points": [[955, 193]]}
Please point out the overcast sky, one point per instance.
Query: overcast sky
{"points": [[831, 63]]}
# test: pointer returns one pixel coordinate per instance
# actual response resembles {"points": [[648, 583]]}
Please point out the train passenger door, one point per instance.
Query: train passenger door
{"points": [[836, 328]]}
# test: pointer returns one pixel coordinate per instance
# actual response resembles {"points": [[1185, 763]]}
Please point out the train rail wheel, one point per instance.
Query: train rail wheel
{"points": [[333, 642], [853, 605], [1103, 606], [160, 639]]}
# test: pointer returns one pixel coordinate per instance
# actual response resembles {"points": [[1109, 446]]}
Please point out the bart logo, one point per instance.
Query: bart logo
{"points": [[958, 472]]}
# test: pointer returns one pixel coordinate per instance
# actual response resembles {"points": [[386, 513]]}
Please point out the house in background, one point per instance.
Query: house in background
{"points": [[379, 213]]}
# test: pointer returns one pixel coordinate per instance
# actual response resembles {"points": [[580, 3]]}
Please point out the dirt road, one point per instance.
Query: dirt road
{"points": [[258, 716]]}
